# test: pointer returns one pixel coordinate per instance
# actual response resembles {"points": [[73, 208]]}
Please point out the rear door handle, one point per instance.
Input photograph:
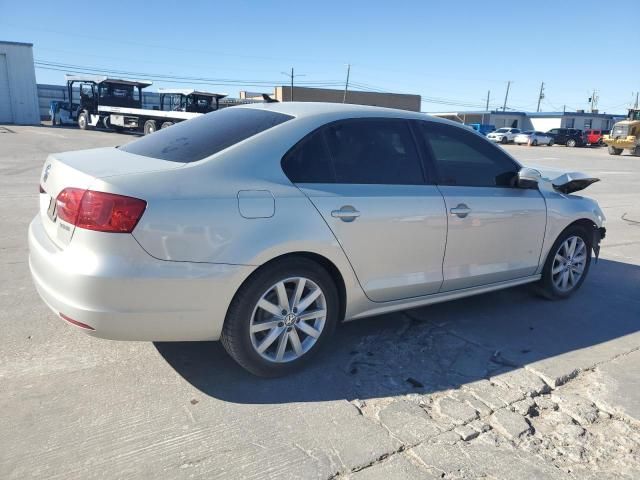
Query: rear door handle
{"points": [[346, 213], [461, 210]]}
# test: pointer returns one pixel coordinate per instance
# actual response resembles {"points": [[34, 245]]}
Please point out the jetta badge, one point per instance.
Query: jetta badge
{"points": [[46, 173]]}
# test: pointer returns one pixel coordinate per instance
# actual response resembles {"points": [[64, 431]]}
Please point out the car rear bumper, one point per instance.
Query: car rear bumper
{"points": [[125, 294]]}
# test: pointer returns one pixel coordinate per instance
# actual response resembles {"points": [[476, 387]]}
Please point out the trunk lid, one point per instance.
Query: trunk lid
{"points": [[79, 170]]}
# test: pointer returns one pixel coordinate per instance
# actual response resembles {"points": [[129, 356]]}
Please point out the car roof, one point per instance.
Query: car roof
{"points": [[339, 110]]}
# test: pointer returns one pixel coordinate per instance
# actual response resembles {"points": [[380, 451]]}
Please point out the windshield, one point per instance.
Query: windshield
{"points": [[203, 136], [620, 131], [502, 130], [528, 132]]}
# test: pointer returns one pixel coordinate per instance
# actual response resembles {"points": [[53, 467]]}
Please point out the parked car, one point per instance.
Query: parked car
{"points": [[532, 137], [503, 135], [265, 225], [482, 128], [571, 137], [594, 137]]}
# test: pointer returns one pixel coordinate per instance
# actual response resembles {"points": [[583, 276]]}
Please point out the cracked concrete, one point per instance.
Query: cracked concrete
{"points": [[503, 385]]}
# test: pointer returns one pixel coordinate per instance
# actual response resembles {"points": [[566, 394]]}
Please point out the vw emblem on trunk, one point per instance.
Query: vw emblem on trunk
{"points": [[46, 173]]}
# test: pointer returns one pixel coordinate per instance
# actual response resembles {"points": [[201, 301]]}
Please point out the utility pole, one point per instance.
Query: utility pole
{"points": [[540, 95], [636, 104], [346, 84], [486, 108], [506, 95], [291, 76], [594, 100]]}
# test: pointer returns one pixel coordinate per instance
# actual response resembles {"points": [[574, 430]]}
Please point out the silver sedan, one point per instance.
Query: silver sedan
{"points": [[533, 138], [264, 226]]}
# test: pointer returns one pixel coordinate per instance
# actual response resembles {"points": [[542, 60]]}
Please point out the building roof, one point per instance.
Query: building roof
{"points": [[189, 91], [528, 114], [22, 44], [103, 78]]}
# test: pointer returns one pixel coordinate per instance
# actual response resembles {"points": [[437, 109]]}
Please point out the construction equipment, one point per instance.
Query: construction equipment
{"points": [[625, 135]]}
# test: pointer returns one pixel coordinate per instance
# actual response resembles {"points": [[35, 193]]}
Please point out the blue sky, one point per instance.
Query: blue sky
{"points": [[449, 52]]}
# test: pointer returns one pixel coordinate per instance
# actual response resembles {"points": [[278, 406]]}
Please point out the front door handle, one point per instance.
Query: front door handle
{"points": [[346, 213], [461, 210]]}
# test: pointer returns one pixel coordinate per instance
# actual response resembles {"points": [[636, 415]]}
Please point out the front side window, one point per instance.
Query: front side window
{"points": [[464, 159], [374, 151], [203, 136]]}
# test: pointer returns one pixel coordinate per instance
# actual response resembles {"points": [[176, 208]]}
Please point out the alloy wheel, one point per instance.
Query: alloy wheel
{"points": [[569, 263], [288, 319]]}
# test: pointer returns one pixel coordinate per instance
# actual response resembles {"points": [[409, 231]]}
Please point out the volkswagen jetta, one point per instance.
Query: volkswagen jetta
{"points": [[264, 226]]}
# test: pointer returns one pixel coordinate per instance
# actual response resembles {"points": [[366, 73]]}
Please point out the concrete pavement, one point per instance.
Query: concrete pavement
{"points": [[503, 385]]}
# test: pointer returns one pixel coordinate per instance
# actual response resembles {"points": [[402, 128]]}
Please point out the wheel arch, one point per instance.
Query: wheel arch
{"points": [[586, 223], [329, 266]]}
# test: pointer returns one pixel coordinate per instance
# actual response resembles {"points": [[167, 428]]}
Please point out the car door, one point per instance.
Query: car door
{"points": [[366, 178], [495, 230]]}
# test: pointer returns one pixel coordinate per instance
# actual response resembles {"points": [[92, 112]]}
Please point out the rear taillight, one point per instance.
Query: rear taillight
{"points": [[100, 211]]}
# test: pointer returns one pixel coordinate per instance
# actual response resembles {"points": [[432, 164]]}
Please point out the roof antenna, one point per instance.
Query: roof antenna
{"points": [[268, 99]]}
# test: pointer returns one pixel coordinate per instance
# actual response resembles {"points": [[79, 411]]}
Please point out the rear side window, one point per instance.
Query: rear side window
{"points": [[203, 136], [374, 151], [464, 159], [309, 161]]}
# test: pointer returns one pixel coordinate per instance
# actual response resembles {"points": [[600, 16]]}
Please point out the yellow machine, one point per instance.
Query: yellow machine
{"points": [[625, 135]]}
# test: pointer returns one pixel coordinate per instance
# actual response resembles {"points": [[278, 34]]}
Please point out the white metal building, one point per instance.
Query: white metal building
{"points": [[18, 91], [542, 121]]}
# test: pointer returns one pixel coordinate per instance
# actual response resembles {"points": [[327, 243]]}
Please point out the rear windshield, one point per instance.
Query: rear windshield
{"points": [[203, 136]]}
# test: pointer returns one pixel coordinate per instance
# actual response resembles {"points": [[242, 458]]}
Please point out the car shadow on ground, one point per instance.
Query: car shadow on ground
{"points": [[71, 126], [432, 348]]}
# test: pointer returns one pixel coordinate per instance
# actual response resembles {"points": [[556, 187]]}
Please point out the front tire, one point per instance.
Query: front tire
{"points": [[83, 121], [567, 264], [281, 317], [504, 140], [614, 150], [534, 143]]}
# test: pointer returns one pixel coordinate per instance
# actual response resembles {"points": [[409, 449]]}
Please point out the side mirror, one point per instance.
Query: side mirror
{"points": [[528, 178]]}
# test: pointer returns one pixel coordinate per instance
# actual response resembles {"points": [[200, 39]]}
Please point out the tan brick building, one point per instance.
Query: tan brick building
{"points": [[389, 100]]}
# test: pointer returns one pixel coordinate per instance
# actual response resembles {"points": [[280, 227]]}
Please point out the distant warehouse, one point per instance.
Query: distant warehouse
{"points": [[401, 101], [542, 121]]}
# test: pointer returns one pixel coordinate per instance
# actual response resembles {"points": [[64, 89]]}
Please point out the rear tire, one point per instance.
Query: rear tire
{"points": [[149, 127], [550, 144], [166, 125], [291, 341], [571, 143], [614, 150], [534, 143], [565, 270], [504, 140]]}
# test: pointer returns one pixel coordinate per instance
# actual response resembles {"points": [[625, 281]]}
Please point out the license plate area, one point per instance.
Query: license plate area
{"points": [[52, 211]]}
